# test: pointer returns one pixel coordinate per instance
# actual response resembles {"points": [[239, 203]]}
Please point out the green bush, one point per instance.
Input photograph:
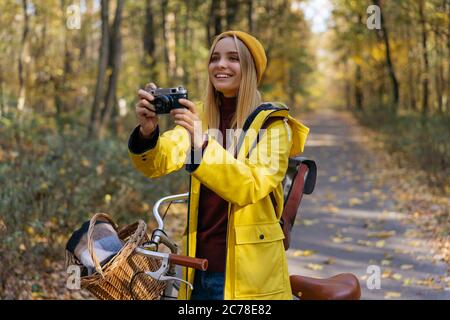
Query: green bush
{"points": [[50, 183], [416, 141]]}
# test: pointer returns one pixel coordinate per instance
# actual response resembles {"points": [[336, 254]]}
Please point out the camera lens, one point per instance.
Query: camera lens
{"points": [[173, 90]]}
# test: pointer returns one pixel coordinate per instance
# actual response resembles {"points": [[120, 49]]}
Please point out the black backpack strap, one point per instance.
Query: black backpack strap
{"points": [[265, 125]]}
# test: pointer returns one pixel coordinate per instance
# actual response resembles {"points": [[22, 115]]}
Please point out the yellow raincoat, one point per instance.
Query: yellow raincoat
{"points": [[256, 264]]}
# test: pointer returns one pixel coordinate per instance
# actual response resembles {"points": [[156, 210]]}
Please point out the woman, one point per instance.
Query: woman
{"points": [[232, 219]]}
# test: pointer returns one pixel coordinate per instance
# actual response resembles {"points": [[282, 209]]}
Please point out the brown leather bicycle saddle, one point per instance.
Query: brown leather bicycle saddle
{"points": [[344, 286]]}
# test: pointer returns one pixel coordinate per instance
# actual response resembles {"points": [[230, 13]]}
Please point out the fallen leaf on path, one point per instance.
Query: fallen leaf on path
{"points": [[397, 276], [333, 179], [330, 208], [365, 243], [407, 282], [380, 244], [411, 233], [314, 266], [386, 273], [303, 253], [406, 266], [309, 222], [385, 262], [354, 201], [337, 240], [382, 234], [414, 243], [330, 196], [392, 295]]}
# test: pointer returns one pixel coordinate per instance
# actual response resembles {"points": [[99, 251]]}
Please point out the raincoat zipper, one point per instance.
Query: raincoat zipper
{"points": [[226, 249]]}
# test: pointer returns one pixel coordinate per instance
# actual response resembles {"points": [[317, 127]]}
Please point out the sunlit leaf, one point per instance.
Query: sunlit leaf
{"points": [[381, 234], [314, 266], [354, 201], [392, 295], [406, 266], [303, 253]]}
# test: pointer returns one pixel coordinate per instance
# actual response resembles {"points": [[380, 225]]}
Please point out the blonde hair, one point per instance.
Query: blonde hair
{"points": [[248, 97]]}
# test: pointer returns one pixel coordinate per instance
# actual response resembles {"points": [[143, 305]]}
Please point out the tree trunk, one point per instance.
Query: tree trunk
{"points": [[186, 40], [411, 76], [102, 64], [165, 42], [426, 70], [176, 35], [2, 94], [214, 23], [115, 54], [149, 33], [447, 6], [348, 98], [250, 16], [61, 82], [22, 55], [439, 72], [389, 64], [358, 88], [218, 18], [232, 7]]}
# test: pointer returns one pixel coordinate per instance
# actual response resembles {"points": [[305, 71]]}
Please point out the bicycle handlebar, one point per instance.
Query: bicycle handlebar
{"points": [[190, 262], [186, 261], [173, 198]]}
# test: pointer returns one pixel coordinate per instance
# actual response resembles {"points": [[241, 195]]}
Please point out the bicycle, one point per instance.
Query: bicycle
{"points": [[343, 286]]}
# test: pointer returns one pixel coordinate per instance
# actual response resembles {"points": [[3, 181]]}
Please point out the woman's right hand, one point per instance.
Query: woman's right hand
{"points": [[145, 112]]}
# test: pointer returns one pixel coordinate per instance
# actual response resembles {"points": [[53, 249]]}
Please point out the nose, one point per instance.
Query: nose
{"points": [[222, 63]]}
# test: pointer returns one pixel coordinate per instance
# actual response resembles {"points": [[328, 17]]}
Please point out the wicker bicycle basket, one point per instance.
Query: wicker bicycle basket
{"points": [[123, 277]]}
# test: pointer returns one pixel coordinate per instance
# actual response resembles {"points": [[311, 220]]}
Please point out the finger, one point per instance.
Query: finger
{"points": [[186, 118], [145, 95], [189, 104], [150, 85], [185, 125], [146, 114], [176, 111], [146, 104]]}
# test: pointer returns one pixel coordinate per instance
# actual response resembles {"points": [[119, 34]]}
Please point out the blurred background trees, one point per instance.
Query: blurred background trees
{"points": [[396, 78], [55, 65], [69, 74], [70, 70]]}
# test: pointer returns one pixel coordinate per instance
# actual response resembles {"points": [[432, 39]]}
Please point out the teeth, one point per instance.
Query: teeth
{"points": [[222, 76]]}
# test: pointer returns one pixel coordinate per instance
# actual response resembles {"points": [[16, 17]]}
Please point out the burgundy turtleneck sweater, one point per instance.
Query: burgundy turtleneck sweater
{"points": [[213, 210]]}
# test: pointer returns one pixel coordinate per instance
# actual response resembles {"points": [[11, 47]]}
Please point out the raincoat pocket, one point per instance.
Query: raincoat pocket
{"points": [[259, 260]]}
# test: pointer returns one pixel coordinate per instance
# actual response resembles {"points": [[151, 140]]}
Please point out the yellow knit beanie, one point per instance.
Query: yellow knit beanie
{"points": [[255, 47]]}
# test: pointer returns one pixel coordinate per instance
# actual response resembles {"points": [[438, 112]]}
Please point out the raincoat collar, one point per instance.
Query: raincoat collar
{"points": [[256, 119]]}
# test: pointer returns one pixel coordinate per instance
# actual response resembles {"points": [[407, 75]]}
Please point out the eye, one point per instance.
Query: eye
{"points": [[234, 58], [214, 58]]}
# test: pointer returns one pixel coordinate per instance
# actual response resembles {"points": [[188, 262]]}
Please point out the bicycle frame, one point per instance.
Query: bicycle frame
{"points": [[167, 270], [339, 287]]}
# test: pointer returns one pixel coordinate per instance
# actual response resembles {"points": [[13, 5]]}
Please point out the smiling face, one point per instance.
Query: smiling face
{"points": [[224, 67]]}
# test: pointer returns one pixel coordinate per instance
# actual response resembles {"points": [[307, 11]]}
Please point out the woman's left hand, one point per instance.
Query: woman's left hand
{"points": [[186, 118]]}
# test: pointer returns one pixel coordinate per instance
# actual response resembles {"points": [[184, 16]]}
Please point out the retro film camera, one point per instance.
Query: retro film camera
{"points": [[166, 99]]}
